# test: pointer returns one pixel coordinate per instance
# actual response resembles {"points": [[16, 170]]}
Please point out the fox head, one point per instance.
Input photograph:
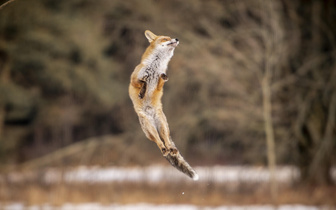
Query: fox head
{"points": [[161, 42]]}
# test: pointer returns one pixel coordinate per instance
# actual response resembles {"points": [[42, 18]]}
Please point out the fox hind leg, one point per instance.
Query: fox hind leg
{"points": [[148, 127], [163, 129]]}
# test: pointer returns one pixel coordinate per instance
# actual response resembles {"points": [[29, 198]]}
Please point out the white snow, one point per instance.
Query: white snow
{"points": [[156, 173], [145, 206]]}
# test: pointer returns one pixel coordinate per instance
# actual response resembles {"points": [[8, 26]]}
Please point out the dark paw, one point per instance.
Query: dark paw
{"points": [[173, 151], [141, 95], [164, 151], [143, 90], [164, 77]]}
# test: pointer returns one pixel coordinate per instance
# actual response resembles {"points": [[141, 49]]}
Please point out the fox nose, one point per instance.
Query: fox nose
{"points": [[176, 39]]}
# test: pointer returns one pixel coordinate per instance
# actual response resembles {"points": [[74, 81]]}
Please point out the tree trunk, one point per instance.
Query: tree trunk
{"points": [[319, 171], [268, 122], [4, 79], [2, 118]]}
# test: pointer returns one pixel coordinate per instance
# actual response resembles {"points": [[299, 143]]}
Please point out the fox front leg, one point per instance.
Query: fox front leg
{"points": [[143, 89], [142, 78]]}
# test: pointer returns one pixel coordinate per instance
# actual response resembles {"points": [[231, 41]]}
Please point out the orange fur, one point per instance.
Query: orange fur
{"points": [[146, 90]]}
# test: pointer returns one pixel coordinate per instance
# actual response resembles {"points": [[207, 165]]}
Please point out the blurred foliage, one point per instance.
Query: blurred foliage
{"points": [[65, 68]]}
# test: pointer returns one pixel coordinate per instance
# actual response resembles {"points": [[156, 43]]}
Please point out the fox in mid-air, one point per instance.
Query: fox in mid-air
{"points": [[146, 90]]}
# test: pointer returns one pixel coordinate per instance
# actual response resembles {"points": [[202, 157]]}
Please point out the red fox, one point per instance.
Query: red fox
{"points": [[146, 90]]}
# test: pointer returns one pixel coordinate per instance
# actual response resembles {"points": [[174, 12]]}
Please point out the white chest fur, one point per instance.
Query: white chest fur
{"points": [[155, 65]]}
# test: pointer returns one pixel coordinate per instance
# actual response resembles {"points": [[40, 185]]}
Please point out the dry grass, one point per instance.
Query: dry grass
{"points": [[201, 194]]}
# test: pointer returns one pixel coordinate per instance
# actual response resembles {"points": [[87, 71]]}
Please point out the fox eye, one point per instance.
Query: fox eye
{"points": [[164, 39]]}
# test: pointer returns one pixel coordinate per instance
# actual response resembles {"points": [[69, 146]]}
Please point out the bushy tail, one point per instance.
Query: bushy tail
{"points": [[178, 162]]}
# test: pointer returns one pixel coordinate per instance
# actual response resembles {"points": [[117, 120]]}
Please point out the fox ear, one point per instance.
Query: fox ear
{"points": [[150, 35]]}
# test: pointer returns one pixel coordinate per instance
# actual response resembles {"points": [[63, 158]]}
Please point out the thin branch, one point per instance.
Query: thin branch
{"points": [[4, 4], [76, 148], [309, 65]]}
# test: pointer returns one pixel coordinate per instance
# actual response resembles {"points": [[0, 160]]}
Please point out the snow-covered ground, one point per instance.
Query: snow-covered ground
{"points": [[143, 206], [157, 173], [153, 174]]}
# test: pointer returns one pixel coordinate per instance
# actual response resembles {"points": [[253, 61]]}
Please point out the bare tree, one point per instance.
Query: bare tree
{"points": [[4, 80], [308, 89], [273, 40]]}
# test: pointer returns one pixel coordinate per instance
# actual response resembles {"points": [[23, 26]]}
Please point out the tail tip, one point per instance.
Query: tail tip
{"points": [[195, 177]]}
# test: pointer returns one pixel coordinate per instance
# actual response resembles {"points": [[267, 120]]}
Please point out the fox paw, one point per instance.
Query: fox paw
{"points": [[164, 77], [141, 95], [164, 151], [173, 151]]}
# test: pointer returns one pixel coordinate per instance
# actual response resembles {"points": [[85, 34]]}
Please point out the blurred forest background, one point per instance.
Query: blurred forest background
{"points": [[65, 68]]}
